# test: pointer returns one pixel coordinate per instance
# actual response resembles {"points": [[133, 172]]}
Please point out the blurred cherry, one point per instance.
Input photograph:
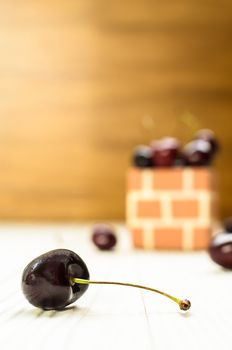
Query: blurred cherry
{"points": [[104, 237], [165, 151], [198, 153], [220, 250], [208, 135], [142, 157]]}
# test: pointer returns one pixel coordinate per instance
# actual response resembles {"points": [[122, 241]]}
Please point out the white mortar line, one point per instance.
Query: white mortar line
{"points": [[131, 207], [174, 195], [148, 237], [158, 223], [166, 212], [147, 181], [187, 180], [204, 206], [187, 237]]}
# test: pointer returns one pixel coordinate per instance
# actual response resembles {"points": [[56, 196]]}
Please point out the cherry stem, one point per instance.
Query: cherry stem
{"points": [[183, 304]]}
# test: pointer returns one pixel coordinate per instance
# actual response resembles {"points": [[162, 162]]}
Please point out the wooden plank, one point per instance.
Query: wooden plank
{"points": [[83, 82]]}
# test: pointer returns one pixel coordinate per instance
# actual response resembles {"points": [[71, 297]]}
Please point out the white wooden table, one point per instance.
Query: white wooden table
{"points": [[113, 317]]}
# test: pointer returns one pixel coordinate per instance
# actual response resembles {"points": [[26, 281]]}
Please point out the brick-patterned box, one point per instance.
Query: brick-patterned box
{"points": [[171, 208]]}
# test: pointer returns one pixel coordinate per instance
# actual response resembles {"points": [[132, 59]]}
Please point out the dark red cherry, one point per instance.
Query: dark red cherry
{"points": [[142, 157], [58, 278], [220, 250], [198, 153], [104, 236], [208, 135], [228, 225], [46, 280], [165, 151]]}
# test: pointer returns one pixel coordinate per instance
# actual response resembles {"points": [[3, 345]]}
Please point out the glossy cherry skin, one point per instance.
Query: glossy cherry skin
{"points": [[165, 151], [104, 237], [198, 153], [46, 279], [228, 225], [220, 250], [142, 157], [209, 136]]}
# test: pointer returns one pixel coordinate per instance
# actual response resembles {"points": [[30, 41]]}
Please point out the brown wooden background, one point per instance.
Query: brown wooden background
{"points": [[83, 81]]}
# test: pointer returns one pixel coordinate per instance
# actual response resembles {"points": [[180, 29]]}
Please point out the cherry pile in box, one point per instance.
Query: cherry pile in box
{"points": [[168, 152]]}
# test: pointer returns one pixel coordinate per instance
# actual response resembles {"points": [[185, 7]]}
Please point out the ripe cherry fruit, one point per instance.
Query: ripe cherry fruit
{"points": [[220, 250], [198, 153], [46, 280], [209, 136], [104, 237], [165, 151], [59, 277], [142, 157]]}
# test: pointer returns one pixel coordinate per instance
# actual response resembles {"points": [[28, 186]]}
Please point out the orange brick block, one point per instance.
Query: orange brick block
{"points": [[137, 237], [201, 237], [148, 209], [201, 179], [180, 204], [168, 238], [185, 208], [134, 179], [172, 238], [168, 179]]}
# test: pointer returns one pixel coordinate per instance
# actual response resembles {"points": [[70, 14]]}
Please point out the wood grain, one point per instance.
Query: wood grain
{"points": [[83, 82]]}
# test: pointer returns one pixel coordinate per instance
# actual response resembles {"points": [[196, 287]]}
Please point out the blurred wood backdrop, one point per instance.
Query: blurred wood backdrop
{"points": [[84, 81]]}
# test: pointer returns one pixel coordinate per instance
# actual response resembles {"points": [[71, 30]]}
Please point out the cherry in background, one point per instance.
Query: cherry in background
{"points": [[220, 250], [143, 157], [198, 153], [104, 237], [209, 136], [165, 151]]}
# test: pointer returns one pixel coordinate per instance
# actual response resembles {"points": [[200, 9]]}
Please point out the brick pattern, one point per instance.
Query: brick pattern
{"points": [[170, 208]]}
